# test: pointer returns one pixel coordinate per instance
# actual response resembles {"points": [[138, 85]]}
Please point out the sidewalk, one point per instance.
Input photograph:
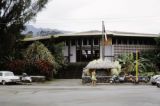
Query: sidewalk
{"points": [[61, 82], [78, 83], [73, 84]]}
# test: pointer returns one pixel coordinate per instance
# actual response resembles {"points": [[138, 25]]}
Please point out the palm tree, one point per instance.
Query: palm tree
{"points": [[127, 61], [128, 64]]}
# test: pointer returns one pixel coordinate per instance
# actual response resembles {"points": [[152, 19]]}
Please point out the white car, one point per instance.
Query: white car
{"points": [[154, 79], [26, 78], [8, 77], [158, 82]]}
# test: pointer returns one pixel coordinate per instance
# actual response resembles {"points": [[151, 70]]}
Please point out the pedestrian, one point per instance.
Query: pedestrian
{"points": [[93, 78]]}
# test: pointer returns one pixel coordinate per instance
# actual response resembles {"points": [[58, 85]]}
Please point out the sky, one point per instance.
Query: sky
{"points": [[83, 15]]}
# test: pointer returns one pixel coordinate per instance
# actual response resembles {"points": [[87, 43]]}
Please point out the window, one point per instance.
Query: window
{"points": [[96, 54], [125, 41], [95, 41], [90, 42], [86, 55], [84, 41], [73, 42], [79, 42], [9, 74], [0, 74], [140, 42], [119, 41], [135, 41], [130, 41], [78, 54], [66, 43], [114, 41]]}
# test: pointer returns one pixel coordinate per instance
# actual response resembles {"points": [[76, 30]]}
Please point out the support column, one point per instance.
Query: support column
{"points": [[91, 48], [69, 50], [76, 43], [80, 45]]}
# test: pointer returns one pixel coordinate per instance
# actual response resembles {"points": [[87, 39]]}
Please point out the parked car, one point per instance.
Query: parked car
{"points": [[26, 78], [8, 77], [154, 79], [114, 79], [158, 82], [143, 79], [122, 78]]}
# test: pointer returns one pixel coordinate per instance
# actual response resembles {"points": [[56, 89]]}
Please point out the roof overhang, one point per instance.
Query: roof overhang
{"points": [[95, 33]]}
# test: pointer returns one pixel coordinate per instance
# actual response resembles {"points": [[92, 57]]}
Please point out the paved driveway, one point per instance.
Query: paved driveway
{"points": [[63, 82], [79, 95]]}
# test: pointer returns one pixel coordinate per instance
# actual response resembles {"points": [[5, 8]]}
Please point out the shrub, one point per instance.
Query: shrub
{"points": [[17, 66], [40, 60], [45, 68], [56, 49], [117, 69], [37, 51]]}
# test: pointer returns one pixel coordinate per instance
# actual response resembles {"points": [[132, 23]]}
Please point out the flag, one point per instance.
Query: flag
{"points": [[104, 31], [106, 36]]}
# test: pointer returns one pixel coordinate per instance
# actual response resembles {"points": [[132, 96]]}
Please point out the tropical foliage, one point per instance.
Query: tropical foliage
{"points": [[37, 51], [17, 66], [14, 14], [56, 50], [13, 58], [158, 52], [157, 41], [128, 63], [45, 68], [40, 59], [153, 58], [117, 69]]}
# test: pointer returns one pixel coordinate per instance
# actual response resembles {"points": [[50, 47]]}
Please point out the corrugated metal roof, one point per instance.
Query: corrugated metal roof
{"points": [[114, 33], [95, 33], [36, 38], [132, 34]]}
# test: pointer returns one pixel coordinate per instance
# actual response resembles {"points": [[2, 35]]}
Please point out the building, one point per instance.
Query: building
{"points": [[86, 46]]}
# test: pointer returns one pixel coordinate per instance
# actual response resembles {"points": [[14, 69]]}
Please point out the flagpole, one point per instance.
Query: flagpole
{"points": [[103, 45]]}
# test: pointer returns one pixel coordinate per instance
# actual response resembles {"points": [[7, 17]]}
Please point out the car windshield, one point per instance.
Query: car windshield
{"points": [[9, 74]]}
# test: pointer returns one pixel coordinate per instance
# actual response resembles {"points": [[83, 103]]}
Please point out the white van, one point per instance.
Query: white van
{"points": [[8, 77]]}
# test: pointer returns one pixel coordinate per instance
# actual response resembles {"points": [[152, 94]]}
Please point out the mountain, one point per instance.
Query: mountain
{"points": [[31, 30]]}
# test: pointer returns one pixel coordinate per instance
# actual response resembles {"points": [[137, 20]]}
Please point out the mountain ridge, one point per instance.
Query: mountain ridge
{"points": [[32, 30]]}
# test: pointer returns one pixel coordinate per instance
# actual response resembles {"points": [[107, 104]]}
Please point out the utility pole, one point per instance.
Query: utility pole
{"points": [[137, 66]]}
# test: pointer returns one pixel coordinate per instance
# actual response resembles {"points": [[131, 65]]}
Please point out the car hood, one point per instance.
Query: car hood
{"points": [[154, 77]]}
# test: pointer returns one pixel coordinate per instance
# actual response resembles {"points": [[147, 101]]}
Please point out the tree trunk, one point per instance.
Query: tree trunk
{"points": [[7, 43]]}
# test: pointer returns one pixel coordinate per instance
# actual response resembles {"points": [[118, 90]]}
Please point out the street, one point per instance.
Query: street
{"points": [[109, 95]]}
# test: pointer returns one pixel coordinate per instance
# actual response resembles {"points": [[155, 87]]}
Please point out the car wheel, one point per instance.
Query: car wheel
{"points": [[28, 81], [153, 83], [158, 85], [3, 82]]}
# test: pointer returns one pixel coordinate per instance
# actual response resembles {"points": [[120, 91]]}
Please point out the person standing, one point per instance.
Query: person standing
{"points": [[93, 78]]}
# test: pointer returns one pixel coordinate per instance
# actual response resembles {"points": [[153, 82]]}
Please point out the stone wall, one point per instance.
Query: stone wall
{"points": [[100, 79]]}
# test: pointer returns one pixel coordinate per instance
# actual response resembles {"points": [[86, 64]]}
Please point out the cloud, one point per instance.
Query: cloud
{"points": [[126, 15]]}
